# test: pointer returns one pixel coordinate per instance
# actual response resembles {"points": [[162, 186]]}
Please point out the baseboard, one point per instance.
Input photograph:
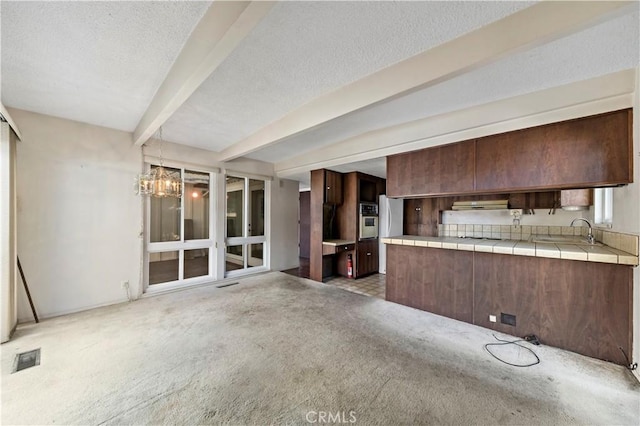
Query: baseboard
{"points": [[72, 311]]}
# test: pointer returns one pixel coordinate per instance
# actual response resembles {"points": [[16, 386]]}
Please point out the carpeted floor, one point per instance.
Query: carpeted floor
{"points": [[282, 349]]}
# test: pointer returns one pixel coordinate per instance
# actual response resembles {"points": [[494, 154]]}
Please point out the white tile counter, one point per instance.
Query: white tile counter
{"points": [[586, 253]]}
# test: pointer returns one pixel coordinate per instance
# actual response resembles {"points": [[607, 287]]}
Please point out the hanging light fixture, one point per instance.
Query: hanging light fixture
{"points": [[160, 182]]}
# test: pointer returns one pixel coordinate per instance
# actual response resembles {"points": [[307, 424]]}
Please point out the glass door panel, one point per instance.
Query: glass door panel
{"points": [[196, 263], [255, 254], [235, 206], [165, 217], [256, 207], [196, 205], [234, 258], [163, 267]]}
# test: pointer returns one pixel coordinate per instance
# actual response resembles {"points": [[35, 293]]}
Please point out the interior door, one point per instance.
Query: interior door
{"points": [[245, 225]]}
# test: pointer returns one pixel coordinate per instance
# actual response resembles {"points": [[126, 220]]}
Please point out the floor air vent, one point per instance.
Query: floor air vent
{"points": [[226, 285], [26, 360]]}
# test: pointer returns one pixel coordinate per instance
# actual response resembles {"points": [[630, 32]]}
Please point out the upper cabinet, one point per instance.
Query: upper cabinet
{"points": [[333, 187], [443, 170], [586, 152]]}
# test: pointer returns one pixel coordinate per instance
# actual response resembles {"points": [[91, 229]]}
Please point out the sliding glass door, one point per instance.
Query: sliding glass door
{"points": [[180, 243], [245, 225]]}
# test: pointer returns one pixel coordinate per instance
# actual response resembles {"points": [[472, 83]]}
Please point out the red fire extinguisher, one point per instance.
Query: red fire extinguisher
{"points": [[349, 267]]}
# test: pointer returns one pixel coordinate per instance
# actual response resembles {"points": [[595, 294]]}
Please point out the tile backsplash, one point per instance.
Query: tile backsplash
{"points": [[617, 240]]}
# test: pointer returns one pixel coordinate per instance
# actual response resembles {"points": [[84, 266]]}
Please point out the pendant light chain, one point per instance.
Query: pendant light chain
{"points": [[160, 136]]}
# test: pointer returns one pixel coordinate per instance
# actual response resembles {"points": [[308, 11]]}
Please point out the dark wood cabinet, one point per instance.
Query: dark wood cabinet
{"points": [[333, 187], [581, 153], [399, 175], [443, 170], [366, 257], [434, 280], [586, 152], [506, 284], [585, 307], [334, 203]]}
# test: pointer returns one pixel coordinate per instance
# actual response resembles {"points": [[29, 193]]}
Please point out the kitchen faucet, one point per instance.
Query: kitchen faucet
{"points": [[590, 238]]}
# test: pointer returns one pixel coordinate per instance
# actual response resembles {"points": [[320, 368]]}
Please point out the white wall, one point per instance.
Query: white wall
{"points": [[79, 220], [8, 247], [503, 217], [80, 223]]}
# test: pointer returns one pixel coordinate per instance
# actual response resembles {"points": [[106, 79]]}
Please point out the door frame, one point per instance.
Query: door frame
{"points": [[246, 240]]}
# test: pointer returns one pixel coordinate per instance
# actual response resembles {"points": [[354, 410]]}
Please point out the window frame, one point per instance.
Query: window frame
{"points": [[603, 207], [181, 245]]}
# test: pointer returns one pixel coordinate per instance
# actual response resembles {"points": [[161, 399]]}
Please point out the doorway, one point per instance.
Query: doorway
{"points": [[245, 224]]}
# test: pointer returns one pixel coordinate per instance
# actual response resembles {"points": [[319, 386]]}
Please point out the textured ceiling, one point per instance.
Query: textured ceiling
{"points": [[102, 62], [302, 50], [95, 62], [603, 49]]}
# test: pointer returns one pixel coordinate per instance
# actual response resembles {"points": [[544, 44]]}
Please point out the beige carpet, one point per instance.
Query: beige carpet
{"points": [[281, 349]]}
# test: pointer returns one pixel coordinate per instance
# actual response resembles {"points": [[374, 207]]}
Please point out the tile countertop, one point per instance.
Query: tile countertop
{"points": [[338, 242], [595, 253]]}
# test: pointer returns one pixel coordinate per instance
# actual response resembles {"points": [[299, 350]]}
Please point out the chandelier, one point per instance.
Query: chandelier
{"points": [[160, 182]]}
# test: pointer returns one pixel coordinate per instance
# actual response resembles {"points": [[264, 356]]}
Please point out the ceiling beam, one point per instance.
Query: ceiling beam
{"points": [[221, 29], [4, 115], [588, 97], [531, 27]]}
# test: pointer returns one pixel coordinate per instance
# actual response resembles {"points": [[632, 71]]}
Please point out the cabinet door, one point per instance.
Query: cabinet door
{"points": [[367, 257], [434, 280], [442, 170], [399, 175], [333, 187], [578, 153], [447, 169]]}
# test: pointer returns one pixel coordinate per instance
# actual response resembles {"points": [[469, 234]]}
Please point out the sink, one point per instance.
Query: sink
{"points": [[562, 239]]}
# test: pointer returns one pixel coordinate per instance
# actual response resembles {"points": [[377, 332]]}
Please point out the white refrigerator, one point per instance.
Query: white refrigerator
{"points": [[390, 217]]}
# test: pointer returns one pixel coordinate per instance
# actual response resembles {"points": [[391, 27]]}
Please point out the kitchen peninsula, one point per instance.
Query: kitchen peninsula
{"points": [[542, 280]]}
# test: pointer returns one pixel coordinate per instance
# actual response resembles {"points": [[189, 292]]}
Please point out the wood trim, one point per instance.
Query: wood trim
{"points": [[630, 119], [317, 220]]}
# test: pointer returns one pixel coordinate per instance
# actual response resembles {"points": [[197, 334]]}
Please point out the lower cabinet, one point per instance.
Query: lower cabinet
{"points": [[583, 307], [366, 257], [434, 280]]}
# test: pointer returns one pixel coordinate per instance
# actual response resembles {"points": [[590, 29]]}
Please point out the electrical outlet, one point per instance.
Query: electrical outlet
{"points": [[492, 318], [124, 285]]}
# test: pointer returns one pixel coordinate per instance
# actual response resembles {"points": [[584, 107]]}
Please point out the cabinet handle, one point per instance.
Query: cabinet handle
{"points": [[368, 254], [346, 247], [328, 187]]}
